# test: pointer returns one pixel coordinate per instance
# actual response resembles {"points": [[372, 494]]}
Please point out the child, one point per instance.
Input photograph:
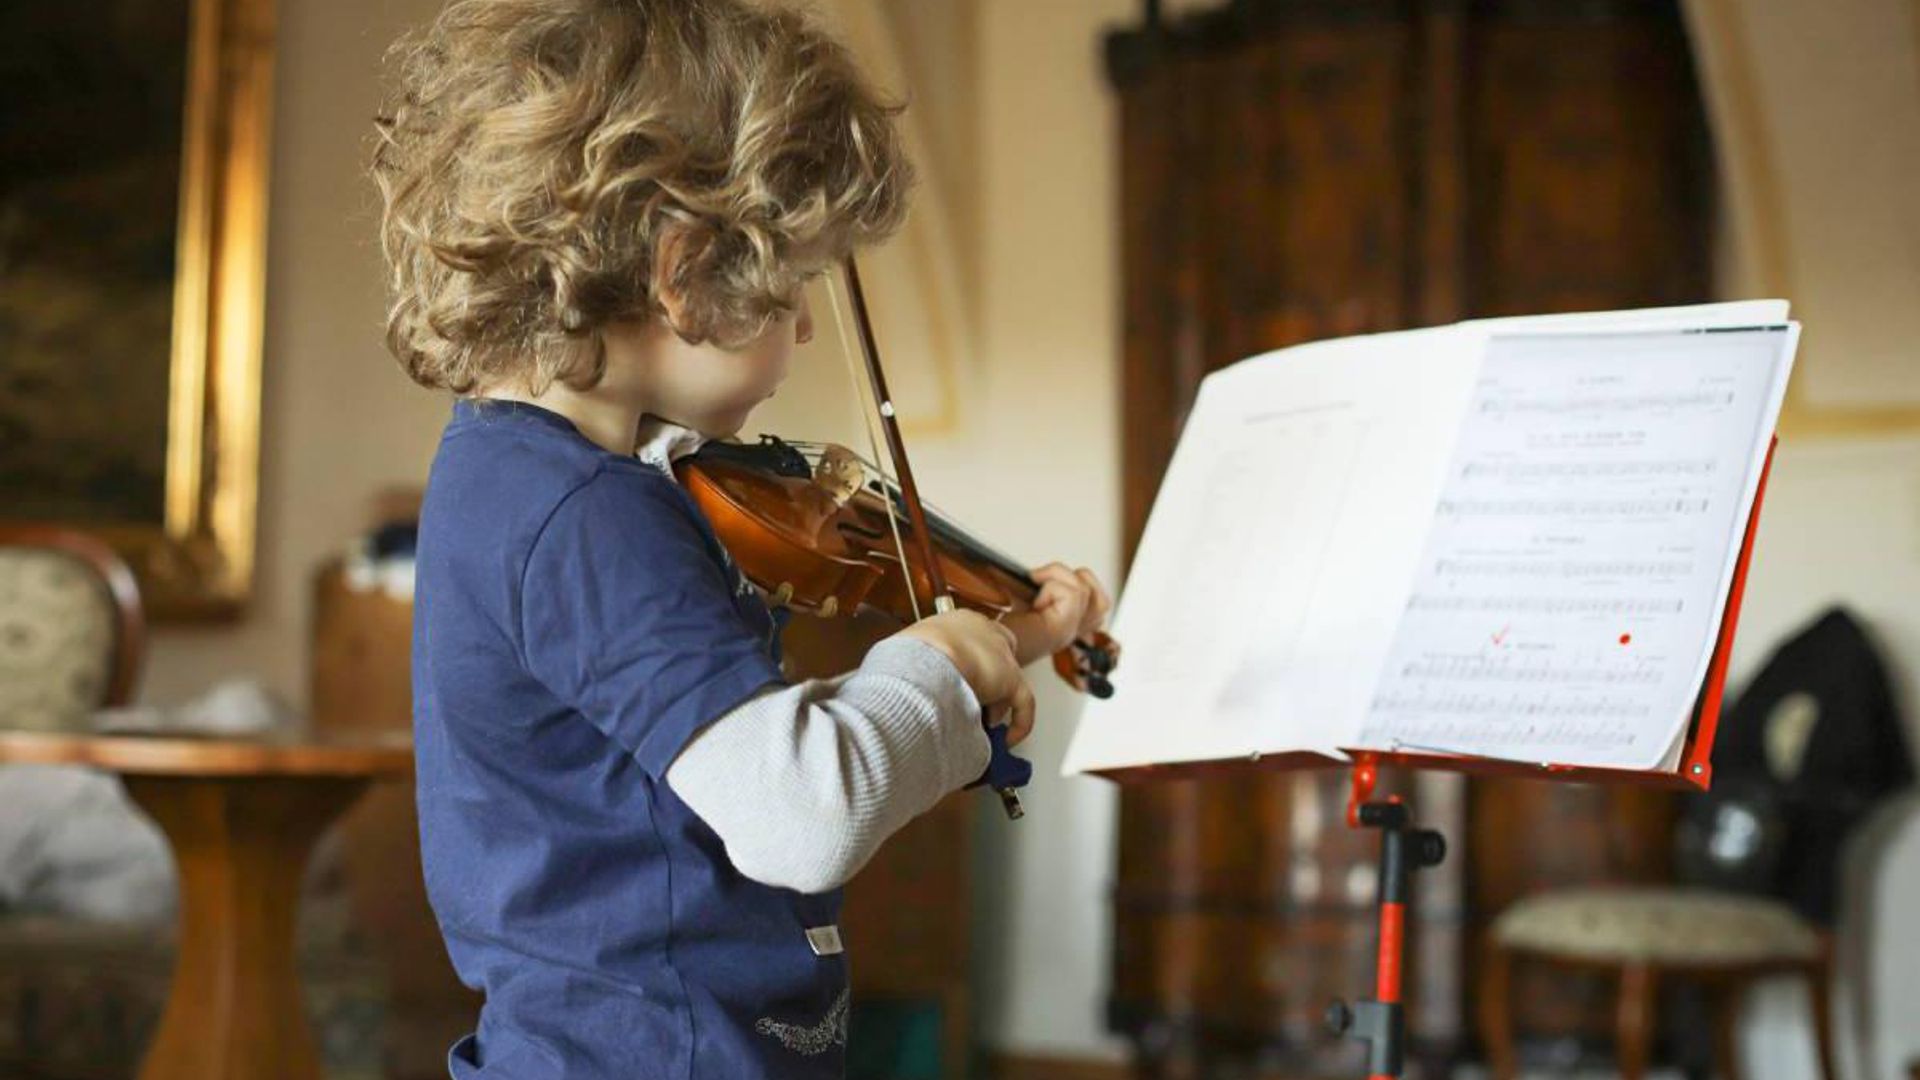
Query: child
{"points": [[599, 215]]}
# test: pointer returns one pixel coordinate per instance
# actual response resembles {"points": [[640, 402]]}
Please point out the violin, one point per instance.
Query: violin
{"points": [[819, 529], [804, 522]]}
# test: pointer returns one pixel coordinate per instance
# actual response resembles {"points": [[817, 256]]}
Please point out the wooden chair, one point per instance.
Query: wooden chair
{"points": [[72, 633], [1650, 935]]}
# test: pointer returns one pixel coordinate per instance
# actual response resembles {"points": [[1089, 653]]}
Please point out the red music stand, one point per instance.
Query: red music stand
{"points": [[1380, 1021]]}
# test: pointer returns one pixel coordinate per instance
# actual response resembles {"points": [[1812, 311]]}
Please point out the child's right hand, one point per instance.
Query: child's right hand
{"points": [[982, 650]]}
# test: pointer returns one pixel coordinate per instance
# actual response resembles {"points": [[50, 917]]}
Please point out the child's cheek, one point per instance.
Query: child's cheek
{"points": [[770, 370]]}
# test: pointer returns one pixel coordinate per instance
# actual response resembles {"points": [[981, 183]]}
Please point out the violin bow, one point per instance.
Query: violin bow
{"points": [[1005, 771]]}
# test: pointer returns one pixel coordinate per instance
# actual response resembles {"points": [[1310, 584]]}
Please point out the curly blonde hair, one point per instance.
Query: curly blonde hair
{"points": [[538, 157]]}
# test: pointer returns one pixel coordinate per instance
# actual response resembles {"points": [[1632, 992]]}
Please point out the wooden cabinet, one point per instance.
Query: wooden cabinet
{"points": [[1297, 169]]}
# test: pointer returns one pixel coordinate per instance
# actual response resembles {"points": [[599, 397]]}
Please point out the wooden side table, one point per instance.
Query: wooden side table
{"points": [[241, 814]]}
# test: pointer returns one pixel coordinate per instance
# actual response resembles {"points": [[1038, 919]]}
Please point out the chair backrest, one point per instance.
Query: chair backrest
{"points": [[72, 633]]}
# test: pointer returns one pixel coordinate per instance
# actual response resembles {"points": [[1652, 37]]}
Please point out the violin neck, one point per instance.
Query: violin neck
{"points": [[945, 530]]}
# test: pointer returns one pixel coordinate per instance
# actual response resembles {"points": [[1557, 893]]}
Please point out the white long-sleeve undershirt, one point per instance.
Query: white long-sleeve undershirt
{"points": [[803, 782]]}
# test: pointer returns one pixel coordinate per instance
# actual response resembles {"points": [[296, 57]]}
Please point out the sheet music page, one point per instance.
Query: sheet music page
{"points": [[1414, 538], [1273, 570], [1583, 546]]}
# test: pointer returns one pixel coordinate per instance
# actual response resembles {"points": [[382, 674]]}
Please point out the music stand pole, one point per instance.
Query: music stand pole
{"points": [[1381, 1021]]}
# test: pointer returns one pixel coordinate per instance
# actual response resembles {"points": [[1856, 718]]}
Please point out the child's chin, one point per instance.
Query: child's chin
{"points": [[729, 427], [725, 429]]}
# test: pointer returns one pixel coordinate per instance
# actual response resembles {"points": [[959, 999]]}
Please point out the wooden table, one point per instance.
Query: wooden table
{"points": [[241, 814]]}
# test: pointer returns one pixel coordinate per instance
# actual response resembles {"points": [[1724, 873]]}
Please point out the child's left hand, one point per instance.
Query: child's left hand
{"points": [[1072, 604]]}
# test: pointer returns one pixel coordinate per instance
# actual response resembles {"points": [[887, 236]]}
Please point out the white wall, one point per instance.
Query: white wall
{"points": [[1051, 319]]}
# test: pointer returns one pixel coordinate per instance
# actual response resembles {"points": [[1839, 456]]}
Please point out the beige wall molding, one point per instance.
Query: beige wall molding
{"points": [[1796, 234], [922, 302]]}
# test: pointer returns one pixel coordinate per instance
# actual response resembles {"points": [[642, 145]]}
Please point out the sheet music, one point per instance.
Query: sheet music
{"points": [[1435, 539], [1582, 547], [1269, 579], [1201, 620]]}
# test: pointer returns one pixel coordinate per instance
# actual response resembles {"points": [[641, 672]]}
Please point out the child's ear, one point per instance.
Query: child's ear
{"points": [[670, 254]]}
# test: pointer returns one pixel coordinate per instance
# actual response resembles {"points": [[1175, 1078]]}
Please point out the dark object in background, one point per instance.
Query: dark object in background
{"points": [[394, 540], [1812, 744], [1731, 838]]}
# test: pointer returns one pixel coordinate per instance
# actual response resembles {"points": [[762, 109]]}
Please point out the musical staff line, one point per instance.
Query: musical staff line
{"points": [[1549, 605]]}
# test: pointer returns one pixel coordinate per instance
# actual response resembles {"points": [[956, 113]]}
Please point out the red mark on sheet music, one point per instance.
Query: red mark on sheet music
{"points": [[1501, 637], [1626, 639]]}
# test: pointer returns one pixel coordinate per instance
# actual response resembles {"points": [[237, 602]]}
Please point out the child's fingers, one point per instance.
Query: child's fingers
{"points": [[1063, 592], [1007, 635], [1064, 605], [1020, 714], [1100, 603], [1056, 573]]}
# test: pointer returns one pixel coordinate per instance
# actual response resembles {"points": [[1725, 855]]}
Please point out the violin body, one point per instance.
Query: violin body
{"points": [[818, 537]]}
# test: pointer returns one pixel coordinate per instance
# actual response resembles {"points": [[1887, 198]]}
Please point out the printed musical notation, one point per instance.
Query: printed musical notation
{"points": [[1551, 605], [1466, 669], [1509, 539], [1512, 708], [1586, 470], [1578, 555], [1565, 568], [1558, 406], [1572, 508]]}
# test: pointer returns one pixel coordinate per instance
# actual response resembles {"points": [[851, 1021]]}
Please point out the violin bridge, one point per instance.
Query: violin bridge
{"points": [[839, 473]]}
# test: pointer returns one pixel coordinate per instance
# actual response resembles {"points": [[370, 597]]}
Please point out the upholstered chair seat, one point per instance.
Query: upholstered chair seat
{"points": [[1648, 937], [1689, 927]]}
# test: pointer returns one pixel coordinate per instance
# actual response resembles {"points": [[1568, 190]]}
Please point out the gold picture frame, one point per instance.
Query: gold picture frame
{"points": [[192, 546]]}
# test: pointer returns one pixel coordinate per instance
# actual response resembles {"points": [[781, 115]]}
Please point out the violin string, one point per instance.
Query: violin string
{"points": [[935, 515], [873, 441]]}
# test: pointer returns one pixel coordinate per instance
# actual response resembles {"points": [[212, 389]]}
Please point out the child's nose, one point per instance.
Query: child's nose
{"points": [[803, 326]]}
